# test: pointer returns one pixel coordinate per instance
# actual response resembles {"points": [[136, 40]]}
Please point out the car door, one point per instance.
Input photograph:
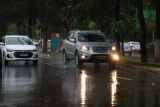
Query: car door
{"points": [[71, 44]]}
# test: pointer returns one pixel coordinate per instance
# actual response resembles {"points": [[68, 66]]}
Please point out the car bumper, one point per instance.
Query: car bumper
{"points": [[97, 57], [20, 56]]}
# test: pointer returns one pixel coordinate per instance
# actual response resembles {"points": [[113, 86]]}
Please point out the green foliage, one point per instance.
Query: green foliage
{"points": [[12, 29], [92, 26]]}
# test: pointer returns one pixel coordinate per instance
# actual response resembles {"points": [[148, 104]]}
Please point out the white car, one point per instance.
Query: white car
{"points": [[19, 48]]}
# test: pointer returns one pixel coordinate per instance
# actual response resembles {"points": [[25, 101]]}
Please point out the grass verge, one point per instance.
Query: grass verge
{"points": [[136, 61]]}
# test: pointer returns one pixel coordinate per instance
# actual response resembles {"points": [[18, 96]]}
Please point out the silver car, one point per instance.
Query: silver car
{"points": [[89, 46], [19, 48]]}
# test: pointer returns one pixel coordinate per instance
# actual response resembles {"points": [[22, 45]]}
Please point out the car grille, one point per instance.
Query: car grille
{"points": [[23, 54], [100, 49]]}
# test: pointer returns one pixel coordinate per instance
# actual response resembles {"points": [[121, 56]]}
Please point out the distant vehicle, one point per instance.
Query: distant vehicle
{"points": [[35, 42], [134, 45], [89, 46], [19, 48], [131, 46]]}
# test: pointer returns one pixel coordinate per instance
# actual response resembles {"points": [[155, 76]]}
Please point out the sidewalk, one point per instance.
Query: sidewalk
{"points": [[134, 62]]}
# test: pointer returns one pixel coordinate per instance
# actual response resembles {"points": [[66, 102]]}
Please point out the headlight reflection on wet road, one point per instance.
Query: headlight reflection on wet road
{"points": [[114, 88], [83, 87]]}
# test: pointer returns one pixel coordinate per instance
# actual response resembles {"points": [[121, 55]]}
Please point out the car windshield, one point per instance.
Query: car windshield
{"points": [[18, 41], [90, 37]]}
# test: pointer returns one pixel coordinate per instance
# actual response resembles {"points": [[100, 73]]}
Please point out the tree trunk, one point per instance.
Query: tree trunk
{"points": [[117, 14], [157, 33], [141, 19], [44, 32], [157, 50], [29, 27]]}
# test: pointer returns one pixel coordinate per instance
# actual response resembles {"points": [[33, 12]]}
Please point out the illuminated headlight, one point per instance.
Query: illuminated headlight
{"points": [[115, 57], [113, 48], [85, 48], [35, 50], [9, 50]]}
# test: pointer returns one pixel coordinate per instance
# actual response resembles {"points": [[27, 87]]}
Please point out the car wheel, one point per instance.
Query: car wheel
{"points": [[0, 60], [5, 62], [35, 62], [65, 59], [77, 60]]}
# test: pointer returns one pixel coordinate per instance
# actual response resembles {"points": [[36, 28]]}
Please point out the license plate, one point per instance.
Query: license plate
{"points": [[23, 55]]}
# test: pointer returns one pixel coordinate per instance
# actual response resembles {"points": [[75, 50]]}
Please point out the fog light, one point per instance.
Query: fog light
{"points": [[115, 57], [83, 57], [36, 56], [8, 56]]}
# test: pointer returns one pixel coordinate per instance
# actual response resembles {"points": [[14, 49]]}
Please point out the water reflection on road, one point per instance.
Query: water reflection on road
{"points": [[114, 87], [52, 84], [17, 83]]}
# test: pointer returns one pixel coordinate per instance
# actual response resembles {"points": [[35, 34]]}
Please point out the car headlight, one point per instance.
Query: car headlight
{"points": [[115, 57], [84, 48], [35, 50], [9, 50], [113, 48]]}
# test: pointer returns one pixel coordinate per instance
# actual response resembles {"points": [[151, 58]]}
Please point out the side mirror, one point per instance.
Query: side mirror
{"points": [[72, 40], [1, 43]]}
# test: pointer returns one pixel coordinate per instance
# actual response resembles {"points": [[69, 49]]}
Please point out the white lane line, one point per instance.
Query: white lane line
{"points": [[125, 78]]}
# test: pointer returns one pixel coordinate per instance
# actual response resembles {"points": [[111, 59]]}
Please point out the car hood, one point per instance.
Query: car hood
{"points": [[96, 44], [21, 47]]}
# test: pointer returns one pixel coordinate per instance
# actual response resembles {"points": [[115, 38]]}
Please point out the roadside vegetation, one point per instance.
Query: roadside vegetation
{"points": [[136, 61], [121, 20]]}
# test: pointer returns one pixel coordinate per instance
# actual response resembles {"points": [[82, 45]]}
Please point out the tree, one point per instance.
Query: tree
{"points": [[141, 20], [157, 32]]}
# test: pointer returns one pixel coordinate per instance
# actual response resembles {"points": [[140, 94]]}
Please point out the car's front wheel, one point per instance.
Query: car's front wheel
{"points": [[65, 59], [77, 60], [5, 61]]}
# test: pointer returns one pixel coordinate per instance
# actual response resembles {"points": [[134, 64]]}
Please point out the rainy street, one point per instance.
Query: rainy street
{"points": [[53, 84]]}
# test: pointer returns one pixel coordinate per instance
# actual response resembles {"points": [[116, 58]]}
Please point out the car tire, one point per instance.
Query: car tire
{"points": [[77, 60], [1, 60], [35, 62], [65, 59], [6, 62]]}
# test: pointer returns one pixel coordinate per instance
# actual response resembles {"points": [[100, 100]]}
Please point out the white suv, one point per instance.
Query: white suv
{"points": [[19, 48], [89, 46]]}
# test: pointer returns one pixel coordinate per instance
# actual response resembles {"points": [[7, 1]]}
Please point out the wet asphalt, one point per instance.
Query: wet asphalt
{"points": [[53, 84]]}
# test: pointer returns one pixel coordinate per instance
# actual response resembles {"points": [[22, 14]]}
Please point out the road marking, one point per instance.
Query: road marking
{"points": [[125, 78]]}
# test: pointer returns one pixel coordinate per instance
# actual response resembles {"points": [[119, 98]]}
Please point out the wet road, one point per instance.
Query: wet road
{"points": [[52, 84]]}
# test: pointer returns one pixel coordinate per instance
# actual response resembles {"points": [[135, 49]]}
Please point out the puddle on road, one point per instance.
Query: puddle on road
{"points": [[57, 85]]}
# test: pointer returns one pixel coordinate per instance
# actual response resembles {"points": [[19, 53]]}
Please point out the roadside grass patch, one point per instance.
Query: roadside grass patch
{"points": [[136, 61]]}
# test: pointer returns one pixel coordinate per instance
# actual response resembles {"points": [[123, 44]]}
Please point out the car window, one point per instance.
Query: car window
{"points": [[18, 41], [71, 36], [89, 37]]}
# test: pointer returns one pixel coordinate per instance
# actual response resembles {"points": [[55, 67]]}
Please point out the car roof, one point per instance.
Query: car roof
{"points": [[88, 31]]}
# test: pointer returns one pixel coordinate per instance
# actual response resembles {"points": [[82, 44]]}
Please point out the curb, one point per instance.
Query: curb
{"points": [[150, 69]]}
